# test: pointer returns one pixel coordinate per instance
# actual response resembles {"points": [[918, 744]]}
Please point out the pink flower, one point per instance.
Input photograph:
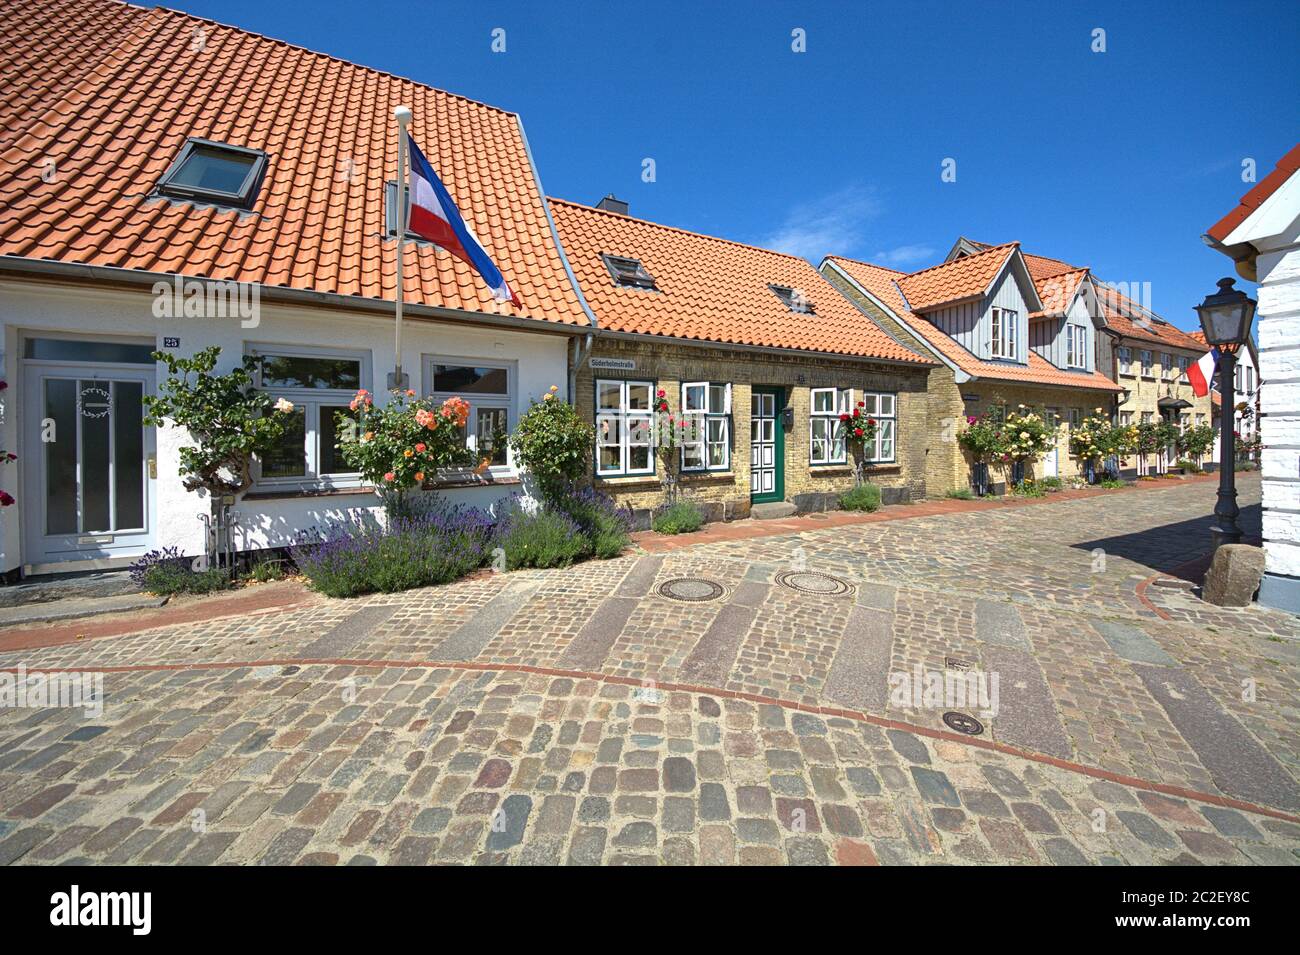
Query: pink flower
{"points": [[390, 476], [5, 497], [420, 447]]}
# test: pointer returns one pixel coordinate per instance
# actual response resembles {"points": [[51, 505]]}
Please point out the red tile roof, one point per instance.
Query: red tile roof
{"points": [[711, 289], [1252, 200], [967, 277], [882, 283], [109, 93], [1057, 291]]}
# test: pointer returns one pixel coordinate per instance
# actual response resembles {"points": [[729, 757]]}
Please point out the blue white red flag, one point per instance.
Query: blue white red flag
{"points": [[435, 217]]}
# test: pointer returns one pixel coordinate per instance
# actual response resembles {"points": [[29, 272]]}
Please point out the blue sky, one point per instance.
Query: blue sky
{"points": [[1118, 160]]}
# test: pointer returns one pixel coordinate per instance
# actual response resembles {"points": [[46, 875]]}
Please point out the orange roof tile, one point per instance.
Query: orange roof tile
{"points": [[883, 283], [711, 289], [963, 278], [109, 92], [1058, 290], [1253, 199]]}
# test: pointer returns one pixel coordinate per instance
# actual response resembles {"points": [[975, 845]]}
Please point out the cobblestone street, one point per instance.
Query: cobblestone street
{"points": [[726, 702]]}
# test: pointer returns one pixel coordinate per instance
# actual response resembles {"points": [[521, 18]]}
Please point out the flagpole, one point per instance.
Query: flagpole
{"points": [[403, 116]]}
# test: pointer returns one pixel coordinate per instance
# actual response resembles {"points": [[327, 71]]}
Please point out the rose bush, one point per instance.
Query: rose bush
{"points": [[552, 444], [859, 434]]}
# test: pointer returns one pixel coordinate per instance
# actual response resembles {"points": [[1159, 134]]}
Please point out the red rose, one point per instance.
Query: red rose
{"points": [[6, 499], [857, 432], [844, 417], [871, 421]]}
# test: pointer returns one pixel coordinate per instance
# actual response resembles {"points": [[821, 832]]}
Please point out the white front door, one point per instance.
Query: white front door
{"points": [[87, 462], [1051, 462]]}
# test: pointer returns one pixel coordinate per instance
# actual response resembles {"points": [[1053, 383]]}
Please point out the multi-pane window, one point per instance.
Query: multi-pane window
{"points": [[1125, 360], [825, 429], [884, 408], [1076, 338], [1126, 418], [1144, 356], [706, 444], [1183, 362], [1147, 416], [1005, 322], [1076, 418], [1166, 366], [624, 422], [320, 384], [1249, 379], [1236, 378], [488, 386]]}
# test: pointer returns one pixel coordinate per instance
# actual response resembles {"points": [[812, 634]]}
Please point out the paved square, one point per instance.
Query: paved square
{"points": [[585, 716]]}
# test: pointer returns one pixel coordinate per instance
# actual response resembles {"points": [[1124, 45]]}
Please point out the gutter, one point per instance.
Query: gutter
{"points": [[921, 365], [135, 278]]}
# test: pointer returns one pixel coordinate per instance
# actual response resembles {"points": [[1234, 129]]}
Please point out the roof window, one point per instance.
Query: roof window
{"points": [[629, 273], [215, 172], [793, 299]]}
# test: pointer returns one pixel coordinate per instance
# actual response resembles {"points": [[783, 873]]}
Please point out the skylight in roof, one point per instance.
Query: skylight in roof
{"points": [[793, 299], [216, 172], [628, 272]]}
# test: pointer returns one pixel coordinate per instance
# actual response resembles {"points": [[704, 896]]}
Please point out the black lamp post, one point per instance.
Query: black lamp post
{"points": [[1225, 319]]}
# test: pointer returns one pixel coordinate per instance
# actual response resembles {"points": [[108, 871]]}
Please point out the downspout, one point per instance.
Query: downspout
{"points": [[578, 352]]}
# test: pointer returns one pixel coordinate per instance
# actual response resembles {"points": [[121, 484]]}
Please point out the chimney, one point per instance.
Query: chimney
{"points": [[610, 204]]}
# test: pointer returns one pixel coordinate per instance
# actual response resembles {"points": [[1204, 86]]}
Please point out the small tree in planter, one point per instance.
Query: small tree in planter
{"points": [[230, 423], [859, 431], [985, 441], [399, 446], [1194, 442], [1028, 438], [1095, 439], [669, 433], [552, 444]]}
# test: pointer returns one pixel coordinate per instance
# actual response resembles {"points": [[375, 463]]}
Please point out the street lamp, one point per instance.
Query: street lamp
{"points": [[1225, 319]]}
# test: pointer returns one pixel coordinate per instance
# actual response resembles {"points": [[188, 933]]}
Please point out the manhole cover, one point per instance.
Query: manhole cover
{"points": [[690, 589], [952, 663], [963, 723], [812, 582]]}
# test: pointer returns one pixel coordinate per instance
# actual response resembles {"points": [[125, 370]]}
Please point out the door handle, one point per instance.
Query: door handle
{"points": [[153, 466]]}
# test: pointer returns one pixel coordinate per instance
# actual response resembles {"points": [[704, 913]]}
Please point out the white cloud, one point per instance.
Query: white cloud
{"points": [[905, 255], [834, 224]]}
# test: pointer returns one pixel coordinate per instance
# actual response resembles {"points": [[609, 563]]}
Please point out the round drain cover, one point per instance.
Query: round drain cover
{"points": [[812, 582], [690, 589], [963, 723]]}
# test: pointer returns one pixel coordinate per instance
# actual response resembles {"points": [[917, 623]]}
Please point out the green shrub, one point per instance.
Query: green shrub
{"points": [[864, 497], [1110, 483], [606, 525], [961, 494], [167, 578], [546, 537], [679, 518], [1028, 489], [1051, 483], [552, 442], [262, 570]]}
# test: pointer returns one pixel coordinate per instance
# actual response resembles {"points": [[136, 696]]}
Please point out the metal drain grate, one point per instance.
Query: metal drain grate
{"points": [[813, 582], [952, 663], [690, 589], [963, 723]]}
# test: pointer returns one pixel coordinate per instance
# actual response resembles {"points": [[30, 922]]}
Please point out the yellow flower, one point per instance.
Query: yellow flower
{"points": [[408, 453], [548, 396], [554, 388]]}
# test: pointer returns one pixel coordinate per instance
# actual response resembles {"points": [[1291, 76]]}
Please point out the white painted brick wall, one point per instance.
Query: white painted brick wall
{"points": [[1281, 494], [1282, 558], [1277, 397], [1276, 365], [1281, 429]]}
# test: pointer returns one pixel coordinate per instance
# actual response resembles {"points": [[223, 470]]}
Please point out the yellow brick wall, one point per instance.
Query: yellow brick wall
{"points": [[668, 364], [1146, 392]]}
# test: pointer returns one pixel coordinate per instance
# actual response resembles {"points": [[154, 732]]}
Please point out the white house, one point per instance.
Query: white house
{"points": [[171, 183], [1262, 235]]}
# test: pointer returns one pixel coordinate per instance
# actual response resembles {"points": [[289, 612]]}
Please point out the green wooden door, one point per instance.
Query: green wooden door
{"points": [[766, 445]]}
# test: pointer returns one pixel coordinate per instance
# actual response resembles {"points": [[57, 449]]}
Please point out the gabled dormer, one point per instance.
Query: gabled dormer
{"points": [[1064, 331], [981, 300]]}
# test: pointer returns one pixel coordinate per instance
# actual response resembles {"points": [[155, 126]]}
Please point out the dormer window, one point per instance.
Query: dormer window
{"points": [[793, 299], [1004, 325], [629, 273], [215, 172]]}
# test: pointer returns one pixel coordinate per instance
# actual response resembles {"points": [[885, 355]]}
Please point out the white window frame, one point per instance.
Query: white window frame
{"points": [[833, 432], [1004, 326], [1125, 355], [507, 402], [1166, 366], [1183, 362], [1076, 346], [1075, 418], [1144, 358], [706, 417], [874, 405], [309, 401], [620, 417]]}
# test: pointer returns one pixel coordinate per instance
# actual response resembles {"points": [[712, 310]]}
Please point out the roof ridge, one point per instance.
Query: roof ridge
{"points": [[328, 56], [965, 258], [870, 265], [673, 228]]}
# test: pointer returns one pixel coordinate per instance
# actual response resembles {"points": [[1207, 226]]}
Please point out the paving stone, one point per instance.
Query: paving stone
{"points": [[679, 774], [636, 835], [909, 747], [1231, 823], [1146, 829], [935, 787], [714, 805]]}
